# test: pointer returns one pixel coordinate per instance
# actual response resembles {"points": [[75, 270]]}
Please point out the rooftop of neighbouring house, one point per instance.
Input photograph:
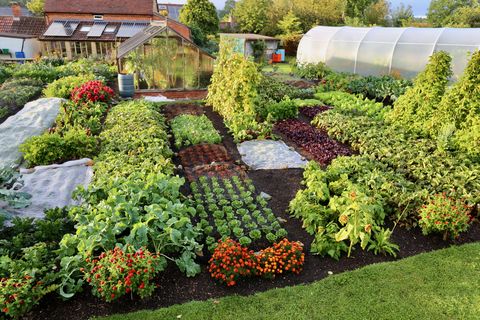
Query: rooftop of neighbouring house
{"points": [[7, 11], [126, 7], [21, 27], [248, 36]]}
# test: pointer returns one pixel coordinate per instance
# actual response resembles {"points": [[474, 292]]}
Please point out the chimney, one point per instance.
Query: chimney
{"points": [[16, 10]]}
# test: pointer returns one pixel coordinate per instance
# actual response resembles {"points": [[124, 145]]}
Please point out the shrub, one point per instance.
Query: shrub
{"points": [[17, 92], [312, 71], [285, 109], [284, 256], [230, 262], [379, 88], [118, 272], [92, 91], [62, 88], [5, 73], [414, 109], [86, 115], [51, 148], [445, 215], [42, 71]]}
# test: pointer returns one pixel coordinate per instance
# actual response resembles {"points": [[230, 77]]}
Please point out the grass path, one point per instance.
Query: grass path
{"points": [[439, 285]]}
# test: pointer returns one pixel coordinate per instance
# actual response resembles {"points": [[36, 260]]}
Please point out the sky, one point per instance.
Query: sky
{"points": [[420, 7]]}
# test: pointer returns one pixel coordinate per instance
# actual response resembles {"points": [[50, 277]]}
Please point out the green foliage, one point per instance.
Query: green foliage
{"points": [[290, 24], [402, 15], [338, 209], [201, 14], [440, 11], [285, 109], [86, 115], [252, 15], [15, 93], [312, 71], [445, 215], [44, 72], [9, 181], [465, 17], [419, 103], [5, 73], [379, 88], [36, 6], [233, 93], [62, 88], [73, 143], [190, 130]]}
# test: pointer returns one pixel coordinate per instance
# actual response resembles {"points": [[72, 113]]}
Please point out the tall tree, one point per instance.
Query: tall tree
{"points": [[356, 8], [200, 14], [402, 15], [227, 10], [290, 24], [252, 15], [36, 6], [440, 11], [376, 13]]}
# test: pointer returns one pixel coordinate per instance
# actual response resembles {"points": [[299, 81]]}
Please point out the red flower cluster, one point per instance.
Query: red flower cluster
{"points": [[230, 261], [92, 91], [117, 272], [18, 295], [284, 256], [445, 215]]}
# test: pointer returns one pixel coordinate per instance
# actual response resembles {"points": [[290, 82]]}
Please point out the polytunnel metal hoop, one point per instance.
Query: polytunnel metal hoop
{"points": [[394, 48]]}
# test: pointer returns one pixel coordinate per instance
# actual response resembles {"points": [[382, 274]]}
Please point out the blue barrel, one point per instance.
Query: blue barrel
{"points": [[126, 85]]}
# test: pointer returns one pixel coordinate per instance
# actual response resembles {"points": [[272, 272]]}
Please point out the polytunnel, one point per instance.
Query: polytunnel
{"points": [[380, 51]]}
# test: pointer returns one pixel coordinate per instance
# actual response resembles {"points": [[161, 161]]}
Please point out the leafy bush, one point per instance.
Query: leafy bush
{"points": [[87, 115], [445, 215], [118, 272], [42, 71], [73, 143], [15, 93], [312, 71], [380, 88], [5, 73], [285, 109], [191, 130], [63, 87], [415, 108], [233, 93], [92, 91], [99, 68]]}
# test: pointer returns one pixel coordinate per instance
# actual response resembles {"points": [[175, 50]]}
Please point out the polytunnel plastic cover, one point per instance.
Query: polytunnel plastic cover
{"points": [[379, 50]]}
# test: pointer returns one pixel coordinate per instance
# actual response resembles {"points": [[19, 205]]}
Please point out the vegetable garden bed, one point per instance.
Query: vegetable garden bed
{"points": [[175, 288]]}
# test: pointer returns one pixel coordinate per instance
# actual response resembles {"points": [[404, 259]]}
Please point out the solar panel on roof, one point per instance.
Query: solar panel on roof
{"points": [[61, 28], [97, 29], [129, 29]]}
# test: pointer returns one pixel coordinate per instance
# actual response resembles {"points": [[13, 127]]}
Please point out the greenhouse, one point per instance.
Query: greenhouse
{"points": [[160, 58], [379, 51]]}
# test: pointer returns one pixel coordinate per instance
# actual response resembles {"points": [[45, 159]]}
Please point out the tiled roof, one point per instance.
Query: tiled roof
{"points": [[128, 7], [7, 11], [23, 27]]}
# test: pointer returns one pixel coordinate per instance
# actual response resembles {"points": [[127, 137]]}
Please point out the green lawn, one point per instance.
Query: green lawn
{"points": [[438, 285]]}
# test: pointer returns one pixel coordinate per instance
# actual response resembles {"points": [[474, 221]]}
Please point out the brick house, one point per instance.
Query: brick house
{"points": [[19, 32], [95, 28]]}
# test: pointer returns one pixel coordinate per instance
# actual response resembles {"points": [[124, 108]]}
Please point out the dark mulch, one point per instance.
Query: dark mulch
{"points": [[175, 288], [301, 84], [203, 154], [173, 110]]}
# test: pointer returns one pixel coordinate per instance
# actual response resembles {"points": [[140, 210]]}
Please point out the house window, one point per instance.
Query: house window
{"points": [[110, 29], [85, 28], [98, 17]]}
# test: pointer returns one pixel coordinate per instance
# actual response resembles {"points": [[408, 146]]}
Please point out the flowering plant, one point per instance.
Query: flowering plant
{"points": [[445, 215], [92, 91], [19, 294], [118, 272], [230, 262], [284, 256]]}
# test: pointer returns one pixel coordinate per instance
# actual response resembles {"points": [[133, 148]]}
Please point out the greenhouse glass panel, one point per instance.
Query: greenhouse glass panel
{"points": [[162, 59], [315, 49], [343, 48]]}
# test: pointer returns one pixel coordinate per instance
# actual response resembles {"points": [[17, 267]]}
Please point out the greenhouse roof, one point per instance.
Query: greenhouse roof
{"points": [[145, 35], [378, 50]]}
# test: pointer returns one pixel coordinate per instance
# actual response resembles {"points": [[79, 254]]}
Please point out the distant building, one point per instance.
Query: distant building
{"points": [[170, 9], [94, 28], [244, 43], [19, 32]]}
